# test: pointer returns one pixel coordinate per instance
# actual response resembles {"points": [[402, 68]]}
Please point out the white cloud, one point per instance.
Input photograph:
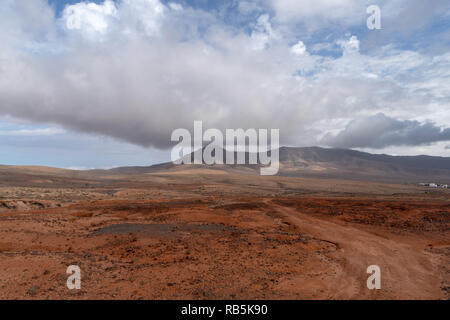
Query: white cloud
{"points": [[94, 20], [144, 15], [175, 6], [349, 46], [263, 33], [398, 16], [296, 11], [299, 48], [89, 17], [32, 132], [161, 67], [249, 7]]}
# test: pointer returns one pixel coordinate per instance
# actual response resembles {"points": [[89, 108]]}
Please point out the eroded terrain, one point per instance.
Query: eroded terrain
{"points": [[198, 235]]}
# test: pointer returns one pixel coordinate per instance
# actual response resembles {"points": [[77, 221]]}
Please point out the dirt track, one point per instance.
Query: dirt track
{"points": [[407, 272]]}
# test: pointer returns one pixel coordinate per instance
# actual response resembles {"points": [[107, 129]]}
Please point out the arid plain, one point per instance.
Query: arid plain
{"points": [[200, 233]]}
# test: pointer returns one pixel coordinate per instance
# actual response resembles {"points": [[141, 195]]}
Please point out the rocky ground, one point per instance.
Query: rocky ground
{"points": [[224, 237]]}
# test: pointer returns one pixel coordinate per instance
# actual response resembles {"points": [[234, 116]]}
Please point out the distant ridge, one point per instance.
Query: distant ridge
{"points": [[333, 163], [311, 162], [342, 155]]}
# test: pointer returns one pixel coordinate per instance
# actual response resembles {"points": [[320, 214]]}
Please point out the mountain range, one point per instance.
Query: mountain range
{"points": [[330, 163]]}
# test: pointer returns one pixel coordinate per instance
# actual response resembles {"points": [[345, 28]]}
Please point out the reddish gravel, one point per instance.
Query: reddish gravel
{"points": [[231, 247]]}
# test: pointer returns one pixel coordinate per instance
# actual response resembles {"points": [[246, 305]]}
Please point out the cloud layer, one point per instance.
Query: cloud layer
{"points": [[136, 70], [380, 131]]}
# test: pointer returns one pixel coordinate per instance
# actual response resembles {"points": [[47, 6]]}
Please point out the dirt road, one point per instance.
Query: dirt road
{"points": [[408, 270]]}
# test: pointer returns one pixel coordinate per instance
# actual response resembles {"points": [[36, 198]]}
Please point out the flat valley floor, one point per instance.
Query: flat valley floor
{"points": [[203, 234]]}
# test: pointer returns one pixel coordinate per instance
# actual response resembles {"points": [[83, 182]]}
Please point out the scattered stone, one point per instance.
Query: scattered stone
{"points": [[33, 290]]}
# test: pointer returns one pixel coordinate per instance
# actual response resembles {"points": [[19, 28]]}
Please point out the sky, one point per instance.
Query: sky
{"points": [[103, 84]]}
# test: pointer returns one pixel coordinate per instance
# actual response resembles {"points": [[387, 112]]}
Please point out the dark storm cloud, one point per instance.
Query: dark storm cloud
{"points": [[380, 131]]}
